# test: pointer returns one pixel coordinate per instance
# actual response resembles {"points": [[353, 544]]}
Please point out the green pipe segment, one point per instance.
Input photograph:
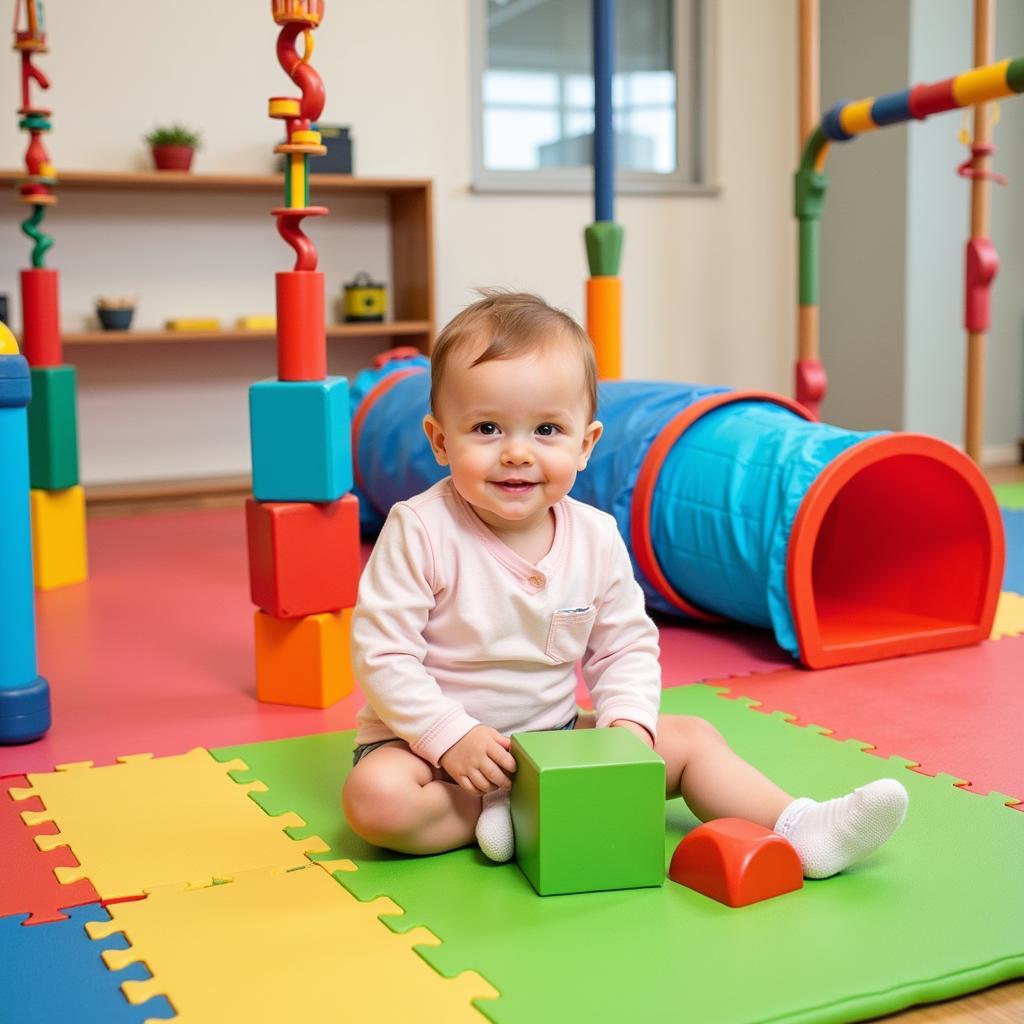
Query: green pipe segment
{"points": [[603, 240]]}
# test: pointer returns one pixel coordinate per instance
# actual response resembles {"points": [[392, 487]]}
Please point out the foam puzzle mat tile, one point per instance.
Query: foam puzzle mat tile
{"points": [[1010, 495], [53, 974], [1013, 524], [284, 946], [673, 951], [1009, 619], [948, 711], [151, 821], [27, 881]]}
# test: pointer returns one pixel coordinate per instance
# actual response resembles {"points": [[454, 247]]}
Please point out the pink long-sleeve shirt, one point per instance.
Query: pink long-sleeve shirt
{"points": [[453, 629]]}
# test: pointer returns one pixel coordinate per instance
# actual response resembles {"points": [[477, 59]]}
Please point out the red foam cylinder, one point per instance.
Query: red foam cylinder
{"points": [[40, 342], [301, 335]]}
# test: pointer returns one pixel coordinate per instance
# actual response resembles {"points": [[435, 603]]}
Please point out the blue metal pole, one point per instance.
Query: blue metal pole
{"points": [[24, 695], [604, 139]]}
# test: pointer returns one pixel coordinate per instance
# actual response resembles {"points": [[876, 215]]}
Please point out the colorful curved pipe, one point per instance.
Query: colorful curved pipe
{"points": [[738, 505], [845, 121]]}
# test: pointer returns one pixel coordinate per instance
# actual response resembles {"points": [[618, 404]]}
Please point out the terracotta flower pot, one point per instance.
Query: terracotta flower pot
{"points": [[172, 158]]}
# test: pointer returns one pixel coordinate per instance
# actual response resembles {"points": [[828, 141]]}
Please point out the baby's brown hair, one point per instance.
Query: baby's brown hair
{"points": [[514, 323]]}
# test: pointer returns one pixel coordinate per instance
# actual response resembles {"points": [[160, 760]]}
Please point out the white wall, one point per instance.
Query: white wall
{"points": [[709, 282]]}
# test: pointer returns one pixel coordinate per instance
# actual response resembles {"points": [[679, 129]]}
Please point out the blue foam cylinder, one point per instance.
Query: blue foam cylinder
{"points": [[24, 695]]}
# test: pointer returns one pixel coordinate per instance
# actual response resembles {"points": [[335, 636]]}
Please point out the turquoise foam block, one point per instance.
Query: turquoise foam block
{"points": [[1013, 525], [935, 913], [53, 972], [300, 433]]}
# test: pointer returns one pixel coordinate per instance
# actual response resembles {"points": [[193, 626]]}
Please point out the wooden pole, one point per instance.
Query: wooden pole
{"points": [[984, 49]]}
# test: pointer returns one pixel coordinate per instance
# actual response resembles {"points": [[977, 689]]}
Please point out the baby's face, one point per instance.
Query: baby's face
{"points": [[515, 432]]}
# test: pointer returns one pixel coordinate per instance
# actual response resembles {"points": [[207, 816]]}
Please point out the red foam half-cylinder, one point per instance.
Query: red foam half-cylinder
{"points": [[40, 343], [897, 548], [301, 335]]}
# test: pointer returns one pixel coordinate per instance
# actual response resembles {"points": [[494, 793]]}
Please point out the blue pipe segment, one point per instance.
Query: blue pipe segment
{"points": [[24, 694], [604, 136]]}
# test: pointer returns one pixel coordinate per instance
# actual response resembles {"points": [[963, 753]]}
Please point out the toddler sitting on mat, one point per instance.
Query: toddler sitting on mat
{"points": [[484, 591]]}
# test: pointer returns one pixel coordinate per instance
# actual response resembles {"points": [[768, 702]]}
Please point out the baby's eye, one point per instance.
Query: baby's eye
{"points": [[487, 429], [548, 430]]}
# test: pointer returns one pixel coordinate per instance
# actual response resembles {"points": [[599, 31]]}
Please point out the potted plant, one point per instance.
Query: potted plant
{"points": [[115, 314], [173, 147]]}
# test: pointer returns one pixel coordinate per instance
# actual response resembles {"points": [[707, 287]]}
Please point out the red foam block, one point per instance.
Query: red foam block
{"points": [[736, 862], [303, 557]]}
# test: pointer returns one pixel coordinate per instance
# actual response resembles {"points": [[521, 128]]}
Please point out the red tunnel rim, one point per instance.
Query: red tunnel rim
{"points": [[643, 491], [811, 514], [381, 388]]}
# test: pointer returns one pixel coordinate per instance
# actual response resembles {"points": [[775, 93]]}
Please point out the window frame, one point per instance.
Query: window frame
{"points": [[692, 56]]}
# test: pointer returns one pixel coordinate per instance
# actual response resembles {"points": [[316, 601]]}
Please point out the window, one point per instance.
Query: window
{"points": [[534, 95]]}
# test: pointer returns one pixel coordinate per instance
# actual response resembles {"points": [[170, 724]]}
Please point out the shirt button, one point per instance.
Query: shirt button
{"points": [[536, 581]]}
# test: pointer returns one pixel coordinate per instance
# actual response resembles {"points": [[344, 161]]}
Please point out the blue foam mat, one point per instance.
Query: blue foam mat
{"points": [[1013, 523], [53, 972]]}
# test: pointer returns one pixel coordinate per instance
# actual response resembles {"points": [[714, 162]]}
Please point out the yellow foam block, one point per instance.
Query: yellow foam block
{"points": [[257, 323], [304, 662], [195, 323], [980, 84], [1009, 616], [59, 555], [146, 822], [856, 117], [283, 946]]}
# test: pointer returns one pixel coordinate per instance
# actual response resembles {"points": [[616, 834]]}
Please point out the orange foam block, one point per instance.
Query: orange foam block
{"points": [[736, 862], [304, 662]]}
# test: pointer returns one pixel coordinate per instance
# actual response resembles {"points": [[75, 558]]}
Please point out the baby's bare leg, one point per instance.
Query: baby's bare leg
{"points": [[395, 799], [714, 781]]}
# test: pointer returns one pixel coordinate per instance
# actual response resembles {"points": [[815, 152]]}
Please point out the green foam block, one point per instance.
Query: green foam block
{"points": [[588, 807], [935, 913], [53, 429]]}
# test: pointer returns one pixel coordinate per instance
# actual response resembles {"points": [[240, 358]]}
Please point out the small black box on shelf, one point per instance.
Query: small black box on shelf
{"points": [[338, 158]]}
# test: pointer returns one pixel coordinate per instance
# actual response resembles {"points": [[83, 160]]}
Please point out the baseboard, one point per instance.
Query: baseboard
{"points": [[1003, 454], [142, 496]]}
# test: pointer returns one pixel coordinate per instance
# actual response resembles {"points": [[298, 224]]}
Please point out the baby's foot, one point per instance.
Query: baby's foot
{"points": [[494, 827], [831, 836]]}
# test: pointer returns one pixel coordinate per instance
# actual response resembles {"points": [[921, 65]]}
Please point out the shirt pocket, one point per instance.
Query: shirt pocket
{"points": [[569, 633]]}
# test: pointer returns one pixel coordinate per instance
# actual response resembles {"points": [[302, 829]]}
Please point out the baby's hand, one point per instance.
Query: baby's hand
{"points": [[480, 761], [634, 727]]}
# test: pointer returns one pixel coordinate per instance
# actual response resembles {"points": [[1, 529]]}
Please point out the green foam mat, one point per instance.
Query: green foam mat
{"points": [[1010, 495], [937, 912]]}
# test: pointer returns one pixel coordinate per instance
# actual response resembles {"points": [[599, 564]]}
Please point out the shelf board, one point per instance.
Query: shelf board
{"points": [[184, 181], [394, 329]]}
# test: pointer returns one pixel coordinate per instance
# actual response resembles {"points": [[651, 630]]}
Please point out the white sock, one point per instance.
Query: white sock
{"points": [[494, 827], [831, 836]]}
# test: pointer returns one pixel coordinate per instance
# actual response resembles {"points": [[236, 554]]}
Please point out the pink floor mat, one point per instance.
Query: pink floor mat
{"points": [[154, 653]]}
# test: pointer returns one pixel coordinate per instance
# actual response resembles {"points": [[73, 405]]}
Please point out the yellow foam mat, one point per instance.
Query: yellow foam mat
{"points": [[1009, 616], [277, 946], [146, 822]]}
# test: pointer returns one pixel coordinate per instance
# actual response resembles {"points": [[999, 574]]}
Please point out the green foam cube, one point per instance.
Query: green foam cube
{"points": [[588, 807], [53, 429]]}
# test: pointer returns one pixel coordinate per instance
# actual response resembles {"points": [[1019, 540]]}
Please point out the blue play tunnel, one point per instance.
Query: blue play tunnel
{"points": [[736, 506]]}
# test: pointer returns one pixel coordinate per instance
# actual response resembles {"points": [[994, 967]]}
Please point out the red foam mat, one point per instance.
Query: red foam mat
{"points": [[955, 712]]}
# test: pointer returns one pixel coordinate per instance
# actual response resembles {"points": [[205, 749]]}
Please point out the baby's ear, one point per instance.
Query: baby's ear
{"points": [[590, 437], [435, 435]]}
